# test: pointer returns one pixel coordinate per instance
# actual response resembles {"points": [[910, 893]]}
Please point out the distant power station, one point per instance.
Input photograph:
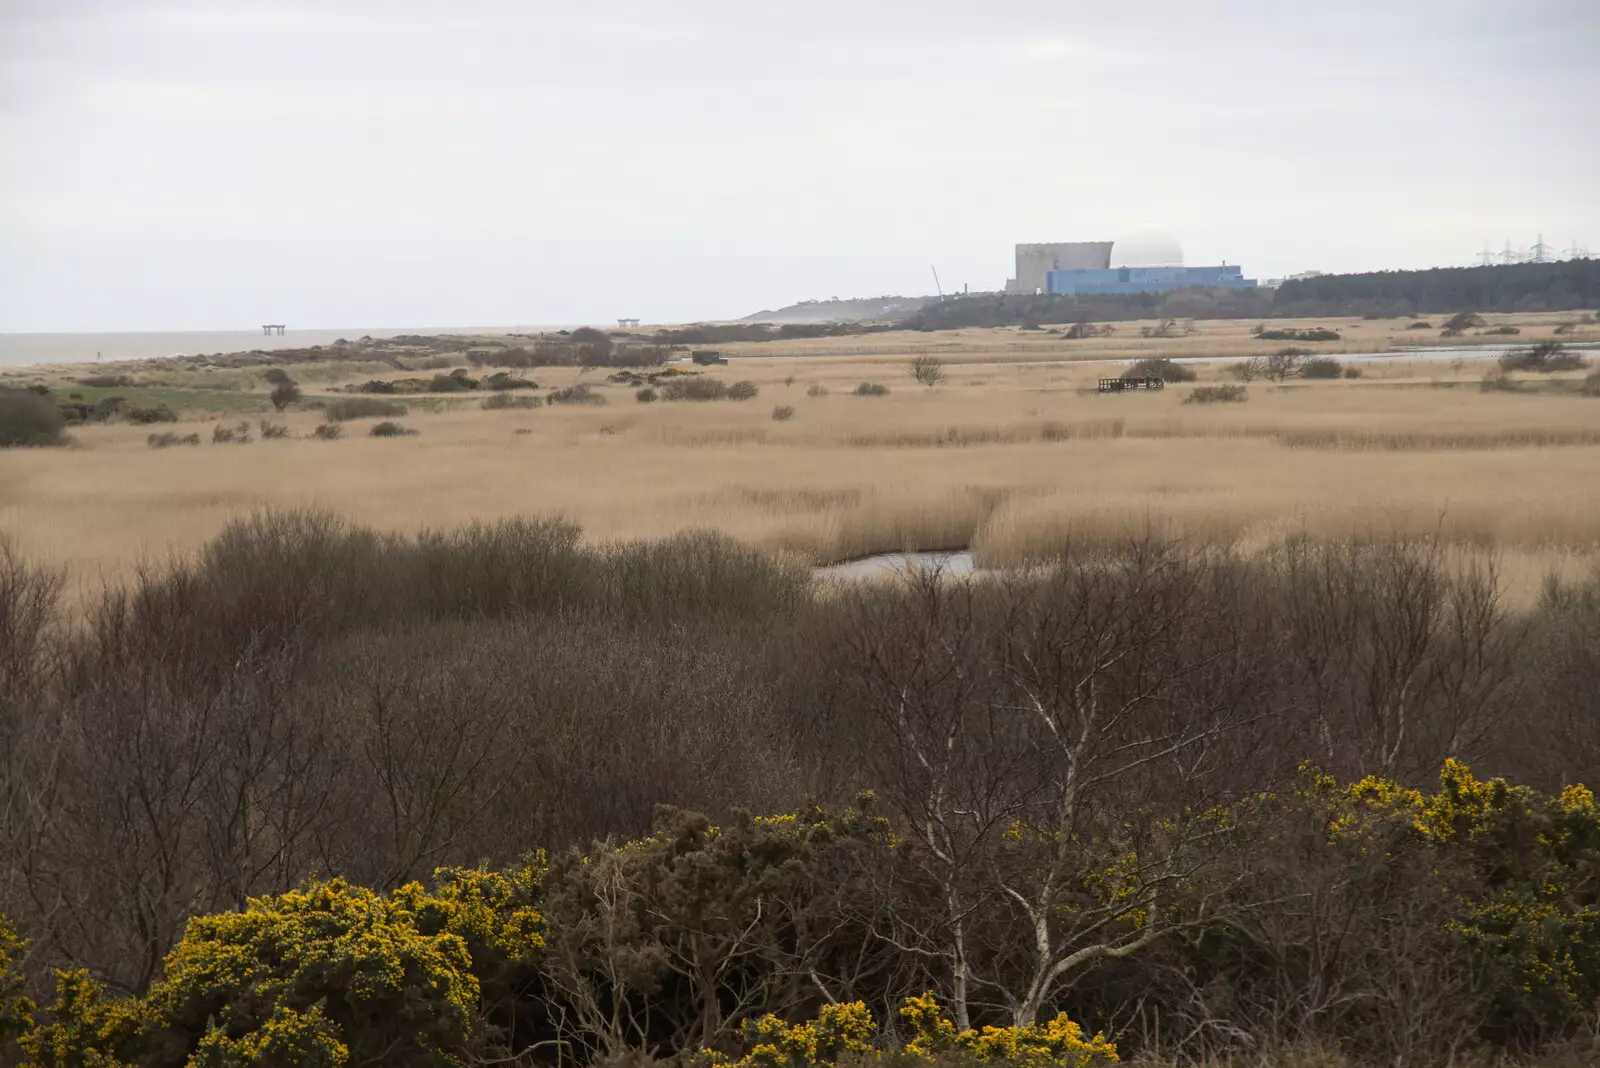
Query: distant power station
{"points": [[1035, 262], [1146, 263]]}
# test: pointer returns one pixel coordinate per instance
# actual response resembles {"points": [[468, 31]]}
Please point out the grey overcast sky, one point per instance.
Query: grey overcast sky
{"points": [[212, 164]]}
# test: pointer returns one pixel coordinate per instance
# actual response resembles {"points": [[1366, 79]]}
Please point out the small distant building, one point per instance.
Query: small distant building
{"points": [[1144, 280]]}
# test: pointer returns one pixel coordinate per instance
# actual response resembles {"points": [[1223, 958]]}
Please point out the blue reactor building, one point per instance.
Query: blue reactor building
{"points": [[1144, 279]]}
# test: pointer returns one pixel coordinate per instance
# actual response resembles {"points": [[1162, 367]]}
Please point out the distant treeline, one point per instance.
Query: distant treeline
{"points": [[1568, 285], [1518, 287], [1009, 309]]}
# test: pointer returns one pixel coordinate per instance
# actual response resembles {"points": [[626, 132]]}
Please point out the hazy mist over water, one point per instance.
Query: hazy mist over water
{"points": [[20, 350]]}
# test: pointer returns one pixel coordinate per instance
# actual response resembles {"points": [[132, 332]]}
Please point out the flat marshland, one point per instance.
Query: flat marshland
{"points": [[1014, 458], [621, 755]]}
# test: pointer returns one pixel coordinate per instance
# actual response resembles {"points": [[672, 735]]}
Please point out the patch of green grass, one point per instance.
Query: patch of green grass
{"points": [[182, 401]]}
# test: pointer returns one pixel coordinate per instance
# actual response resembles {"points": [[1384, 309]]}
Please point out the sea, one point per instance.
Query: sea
{"points": [[23, 350]]}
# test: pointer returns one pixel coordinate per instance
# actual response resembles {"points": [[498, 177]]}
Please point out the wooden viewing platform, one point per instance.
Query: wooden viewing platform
{"points": [[1122, 385], [272, 328]]}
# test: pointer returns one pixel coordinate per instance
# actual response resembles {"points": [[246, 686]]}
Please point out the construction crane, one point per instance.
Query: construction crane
{"points": [[936, 284]]}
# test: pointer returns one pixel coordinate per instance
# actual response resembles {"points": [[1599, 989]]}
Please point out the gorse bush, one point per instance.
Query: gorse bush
{"points": [[26, 418], [341, 409], [848, 1032]]}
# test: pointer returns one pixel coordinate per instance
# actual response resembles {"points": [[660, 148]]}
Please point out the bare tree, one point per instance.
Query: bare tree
{"points": [[928, 370], [1049, 747]]}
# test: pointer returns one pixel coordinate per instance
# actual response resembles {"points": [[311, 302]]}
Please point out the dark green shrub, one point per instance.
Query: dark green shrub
{"points": [[377, 385], [1460, 323], [582, 393], [1322, 367], [1215, 395], [1318, 333], [284, 394], [1543, 357], [345, 408], [29, 419], [502, 380], [741, 391], [106, 381], [503, 401], [645, 395], [456, 382], [1159, 367], [168, 438], [145, 416], [1502, 331], [238, 434], [1352, 371], [782, 413], [694, 389], [277, 376], [871, 389], [387, 429], [1421, 324]]}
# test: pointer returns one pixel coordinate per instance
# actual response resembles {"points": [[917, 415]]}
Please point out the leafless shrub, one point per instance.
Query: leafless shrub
{"points": [[927, 370], [1215, 395]]}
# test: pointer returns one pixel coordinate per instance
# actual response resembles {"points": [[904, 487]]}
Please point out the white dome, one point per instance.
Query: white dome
{"points": [[1148, 248]]}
